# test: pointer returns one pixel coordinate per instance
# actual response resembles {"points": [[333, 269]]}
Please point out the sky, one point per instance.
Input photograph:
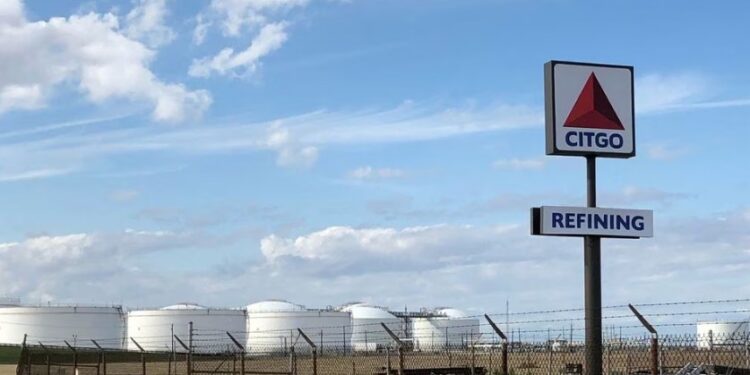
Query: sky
{"points": [[321, 151]]}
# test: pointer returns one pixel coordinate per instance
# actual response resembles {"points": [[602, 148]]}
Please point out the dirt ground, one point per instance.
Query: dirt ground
{"points": [[7, 369]]}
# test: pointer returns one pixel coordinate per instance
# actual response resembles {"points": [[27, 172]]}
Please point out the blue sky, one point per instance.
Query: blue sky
{"points": [[222, 152]]}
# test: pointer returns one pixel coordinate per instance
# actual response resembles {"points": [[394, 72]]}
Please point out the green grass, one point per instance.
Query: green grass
{"points": [[9, 355]]}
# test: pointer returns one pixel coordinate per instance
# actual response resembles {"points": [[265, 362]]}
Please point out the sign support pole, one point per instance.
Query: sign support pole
{"points": [[592, 282]]}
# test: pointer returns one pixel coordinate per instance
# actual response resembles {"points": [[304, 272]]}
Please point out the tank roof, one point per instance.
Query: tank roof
{"points": [[452, 313], [184, 306], [363, 311], [274, 306]]}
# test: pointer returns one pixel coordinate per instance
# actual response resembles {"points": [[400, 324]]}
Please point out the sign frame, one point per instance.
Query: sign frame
{"points": [[537, 221], [549, 110]]}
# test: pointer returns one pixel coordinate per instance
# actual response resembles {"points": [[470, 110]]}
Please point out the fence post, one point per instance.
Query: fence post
{"points": [[388, 360], [75, 357], [549, 359], [292, 361], [23, 361], [654, 340], [242, 353], [143, 356], [400, 348], [314, 350], [711, 347], [190, 349], [98, 357], [504, 346], [48, 360], [187, 357], [473, 358], [747, 350]]}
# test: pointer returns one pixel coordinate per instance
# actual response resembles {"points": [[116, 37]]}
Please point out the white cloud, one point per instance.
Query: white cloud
{"points": [[657, 93], [290, 153], [235, 15], [146, 22], [660, 92], [201, 29], [265, 19], [89, 50], [242, 64], [297, 140], [664, 152], [370, 173], [35, 174], [21, 97], [348, 250], [520, 164], [459, 265], [418, 261], [57, 265]]}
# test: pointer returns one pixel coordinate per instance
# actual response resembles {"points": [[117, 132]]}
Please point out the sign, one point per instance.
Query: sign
{"points": [[589, 109], [592, 221]]}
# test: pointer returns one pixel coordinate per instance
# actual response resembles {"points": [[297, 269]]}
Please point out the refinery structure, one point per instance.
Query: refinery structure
{"points": [[261, 327]]}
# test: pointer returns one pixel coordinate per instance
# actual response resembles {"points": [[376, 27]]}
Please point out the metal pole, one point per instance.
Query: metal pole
{"points": [[315, 361], [291, 360], [473, 359], [48, 359], [75, 356], [549, 348], [654, 355], [98, 358], [171, 353], [400, 360], [388, 360], [592, 282], [711, 347], [505, 357], [190, 350]]}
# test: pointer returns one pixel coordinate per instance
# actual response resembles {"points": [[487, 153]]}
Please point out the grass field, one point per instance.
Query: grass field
{"points": [[9, 355]]}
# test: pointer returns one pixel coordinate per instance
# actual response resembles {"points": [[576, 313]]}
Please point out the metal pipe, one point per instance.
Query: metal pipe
{"points": [[592, 282]]}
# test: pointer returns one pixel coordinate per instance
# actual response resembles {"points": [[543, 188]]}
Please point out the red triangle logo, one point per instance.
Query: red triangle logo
{"points": [[593, 109]]}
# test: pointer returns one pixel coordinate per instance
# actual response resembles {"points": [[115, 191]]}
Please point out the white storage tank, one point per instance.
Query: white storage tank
{"points": [[721, 333], [10, 302], [272, 327], [52, 325], [153, 329], [447, 328], [367, 332]]}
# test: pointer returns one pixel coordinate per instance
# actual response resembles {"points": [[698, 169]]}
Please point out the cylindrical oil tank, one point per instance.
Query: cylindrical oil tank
{"points": [[272, 327], [53, 325], [367, 332], [446, 328], [154, 330], [721, 334]]}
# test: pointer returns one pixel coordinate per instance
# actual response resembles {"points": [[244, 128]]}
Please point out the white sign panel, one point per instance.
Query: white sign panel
{"points": [[589, 109], [592, 221]]}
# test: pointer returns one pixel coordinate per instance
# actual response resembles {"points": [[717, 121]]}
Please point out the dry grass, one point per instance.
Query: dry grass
{"points": [[7, 369], [616, 362]]}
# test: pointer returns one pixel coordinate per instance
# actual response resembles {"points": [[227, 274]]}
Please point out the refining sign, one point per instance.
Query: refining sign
{"points": [[591, 221], [589, 109]]}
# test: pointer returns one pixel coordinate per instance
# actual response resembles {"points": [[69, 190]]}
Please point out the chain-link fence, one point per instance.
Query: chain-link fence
{"points": [[673, 354]]}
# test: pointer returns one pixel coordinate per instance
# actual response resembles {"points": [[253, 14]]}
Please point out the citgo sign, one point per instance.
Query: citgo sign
{"points": [[589, 109]]}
